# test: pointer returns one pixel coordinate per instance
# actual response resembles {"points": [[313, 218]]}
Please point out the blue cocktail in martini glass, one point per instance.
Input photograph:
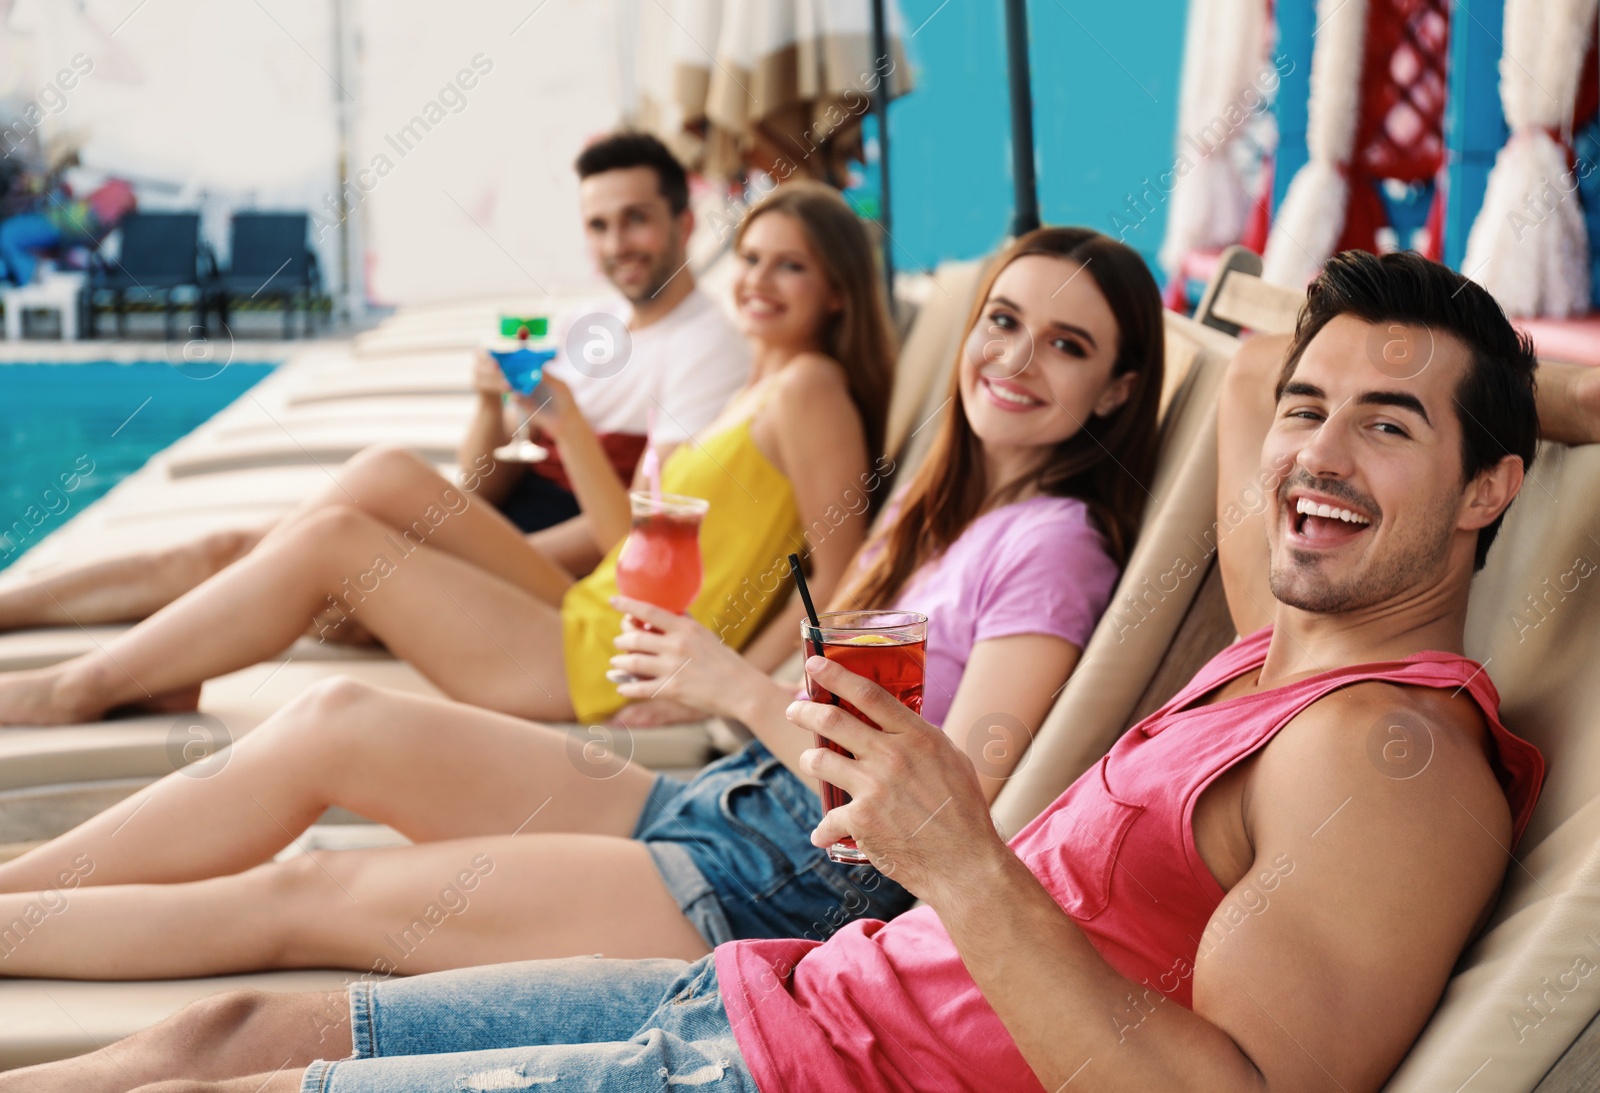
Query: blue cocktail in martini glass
{"points": [[522, 361]]}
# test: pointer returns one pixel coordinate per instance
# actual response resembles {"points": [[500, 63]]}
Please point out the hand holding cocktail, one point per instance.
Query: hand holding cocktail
{"points": [[660, 559], [916, 803], [887, 647], [683, 670], [521, 353]]}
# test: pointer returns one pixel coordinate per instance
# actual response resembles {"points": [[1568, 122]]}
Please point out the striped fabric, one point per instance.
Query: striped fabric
{"points": [[778, 86]]}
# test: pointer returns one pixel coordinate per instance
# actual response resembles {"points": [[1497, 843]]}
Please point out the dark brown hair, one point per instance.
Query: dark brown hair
{"points": [[1495, 399], [1107, 464], [859, 335], [620, 151]]}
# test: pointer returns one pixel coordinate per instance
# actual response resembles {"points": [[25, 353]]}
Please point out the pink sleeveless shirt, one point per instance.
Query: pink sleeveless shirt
{"points": [[889, 1006]]}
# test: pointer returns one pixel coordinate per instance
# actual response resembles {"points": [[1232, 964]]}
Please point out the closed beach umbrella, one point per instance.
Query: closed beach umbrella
{"points": [[779, 85]]}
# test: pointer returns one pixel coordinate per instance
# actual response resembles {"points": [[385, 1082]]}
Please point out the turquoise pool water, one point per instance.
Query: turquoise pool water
{"points": [[69, 432]]}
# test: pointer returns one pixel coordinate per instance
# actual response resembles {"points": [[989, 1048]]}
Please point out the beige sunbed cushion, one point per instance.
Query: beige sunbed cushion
{"points": [[922, 375], [1528, 987], [439, 373], [325, 444], [52, 645]]}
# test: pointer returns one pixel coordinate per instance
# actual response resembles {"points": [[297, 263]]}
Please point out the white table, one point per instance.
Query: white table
{"points": [[53, 290]]}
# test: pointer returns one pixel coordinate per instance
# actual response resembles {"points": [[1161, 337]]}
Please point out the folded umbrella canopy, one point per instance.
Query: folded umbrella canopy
{"points": [[780, 86]]}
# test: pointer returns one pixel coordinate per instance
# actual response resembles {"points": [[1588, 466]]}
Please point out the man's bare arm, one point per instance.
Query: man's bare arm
{"points": [[1244, 414], [570, 544], [1318, 969], [1378, 829], [489, 428], [1569, 402]]}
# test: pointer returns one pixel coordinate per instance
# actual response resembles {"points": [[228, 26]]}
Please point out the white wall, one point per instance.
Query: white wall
{"points": [[486, 201], [233, 104]]}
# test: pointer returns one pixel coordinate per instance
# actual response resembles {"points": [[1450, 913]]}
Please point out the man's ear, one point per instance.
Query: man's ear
{"points": [[1488, 495], [1117, 392], [686, 223]]}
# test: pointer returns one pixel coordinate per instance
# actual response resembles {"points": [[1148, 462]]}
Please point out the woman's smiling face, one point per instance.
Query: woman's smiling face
{"points": [[781, 292], [1037, 364]]}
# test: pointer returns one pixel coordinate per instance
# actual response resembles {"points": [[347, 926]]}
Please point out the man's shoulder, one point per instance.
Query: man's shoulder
{"points": [[698, 330], [1407, 751], [699, 313]]}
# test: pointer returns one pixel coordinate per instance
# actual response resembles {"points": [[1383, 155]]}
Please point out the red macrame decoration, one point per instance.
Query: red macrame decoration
{"points": [[1401, 131]]}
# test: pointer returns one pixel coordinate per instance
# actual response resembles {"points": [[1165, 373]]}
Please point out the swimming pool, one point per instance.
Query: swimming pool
{"points": [[69, 432]]}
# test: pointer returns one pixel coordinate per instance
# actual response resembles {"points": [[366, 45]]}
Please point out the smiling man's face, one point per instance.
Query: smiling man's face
{"points": [[1373, 508]]}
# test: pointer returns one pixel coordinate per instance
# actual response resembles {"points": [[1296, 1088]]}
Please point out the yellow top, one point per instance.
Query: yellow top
{"points": [[746, 537]]}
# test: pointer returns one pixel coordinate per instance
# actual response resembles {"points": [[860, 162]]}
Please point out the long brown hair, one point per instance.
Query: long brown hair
{"points": [[1107, 464], [859, 335]]}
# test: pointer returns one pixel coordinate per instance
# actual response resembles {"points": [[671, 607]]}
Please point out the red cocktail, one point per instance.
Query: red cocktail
{"points": [[660, 562], [887, 647]]}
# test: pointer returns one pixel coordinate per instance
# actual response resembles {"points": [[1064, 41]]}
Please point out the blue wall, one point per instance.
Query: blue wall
{"points": [[950, 138], [1105, 89]]}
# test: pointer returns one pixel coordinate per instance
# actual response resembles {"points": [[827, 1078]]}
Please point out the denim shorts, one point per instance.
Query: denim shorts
{"points": [[734, 847], [558, 1026]]}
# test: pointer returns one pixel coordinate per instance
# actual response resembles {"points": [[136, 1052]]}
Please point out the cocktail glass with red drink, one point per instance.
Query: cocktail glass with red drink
{"points": [[888, 647], [660, 559]]}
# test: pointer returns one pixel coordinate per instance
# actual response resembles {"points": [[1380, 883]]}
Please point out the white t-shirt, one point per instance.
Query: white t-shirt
{"points": [[687, 364]]}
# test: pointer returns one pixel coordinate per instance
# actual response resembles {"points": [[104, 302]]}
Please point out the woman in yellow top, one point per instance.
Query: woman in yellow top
{"points": [[517, 632]]}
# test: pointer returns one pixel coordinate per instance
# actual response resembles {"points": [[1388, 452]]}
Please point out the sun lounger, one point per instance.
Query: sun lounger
{"points": [[361, 377]]}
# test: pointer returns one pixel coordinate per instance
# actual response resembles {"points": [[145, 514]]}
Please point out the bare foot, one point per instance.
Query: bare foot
{"points": [[36, 697]]}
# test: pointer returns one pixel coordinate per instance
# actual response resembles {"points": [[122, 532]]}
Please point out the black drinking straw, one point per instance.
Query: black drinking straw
{"points": [[805, 594], [811, 608]]}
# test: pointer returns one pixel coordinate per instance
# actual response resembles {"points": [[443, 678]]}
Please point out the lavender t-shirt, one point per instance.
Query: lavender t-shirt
{"points": [[1038, 566]]}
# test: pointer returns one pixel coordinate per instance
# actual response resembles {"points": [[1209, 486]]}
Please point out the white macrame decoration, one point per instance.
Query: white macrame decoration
{"points": [[1529, 245], [1309, 224], [1223, 75]]}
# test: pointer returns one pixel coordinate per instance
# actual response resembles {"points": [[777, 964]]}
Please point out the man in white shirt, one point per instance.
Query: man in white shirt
{"points": [[662, 345]]}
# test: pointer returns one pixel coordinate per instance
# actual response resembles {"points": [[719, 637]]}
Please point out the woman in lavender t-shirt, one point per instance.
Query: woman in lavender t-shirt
{"points": [[1009, 538]]}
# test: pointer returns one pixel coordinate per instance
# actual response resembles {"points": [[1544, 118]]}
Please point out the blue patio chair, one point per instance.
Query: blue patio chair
{"points": [[270, 259], [161, 255]]}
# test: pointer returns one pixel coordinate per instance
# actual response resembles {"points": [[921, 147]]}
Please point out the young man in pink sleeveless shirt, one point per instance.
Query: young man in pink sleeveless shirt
{"points": [[1264, 885]]}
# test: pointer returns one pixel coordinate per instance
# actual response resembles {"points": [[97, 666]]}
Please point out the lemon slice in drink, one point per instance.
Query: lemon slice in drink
{"points": [[871, 639]]}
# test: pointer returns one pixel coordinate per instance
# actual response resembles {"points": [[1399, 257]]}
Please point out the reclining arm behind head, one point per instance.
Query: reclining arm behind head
{"points": [[1244, 414]]}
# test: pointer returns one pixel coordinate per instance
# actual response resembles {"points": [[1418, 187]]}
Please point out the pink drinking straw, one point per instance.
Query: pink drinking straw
{"points": [[652, 462]]}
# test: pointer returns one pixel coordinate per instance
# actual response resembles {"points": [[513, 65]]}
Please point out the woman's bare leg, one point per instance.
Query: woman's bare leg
{"points": [[397, 910], [389, 484], [214, 1039], [422, 506], [124, 589], [474, 635], [431, 769]]}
